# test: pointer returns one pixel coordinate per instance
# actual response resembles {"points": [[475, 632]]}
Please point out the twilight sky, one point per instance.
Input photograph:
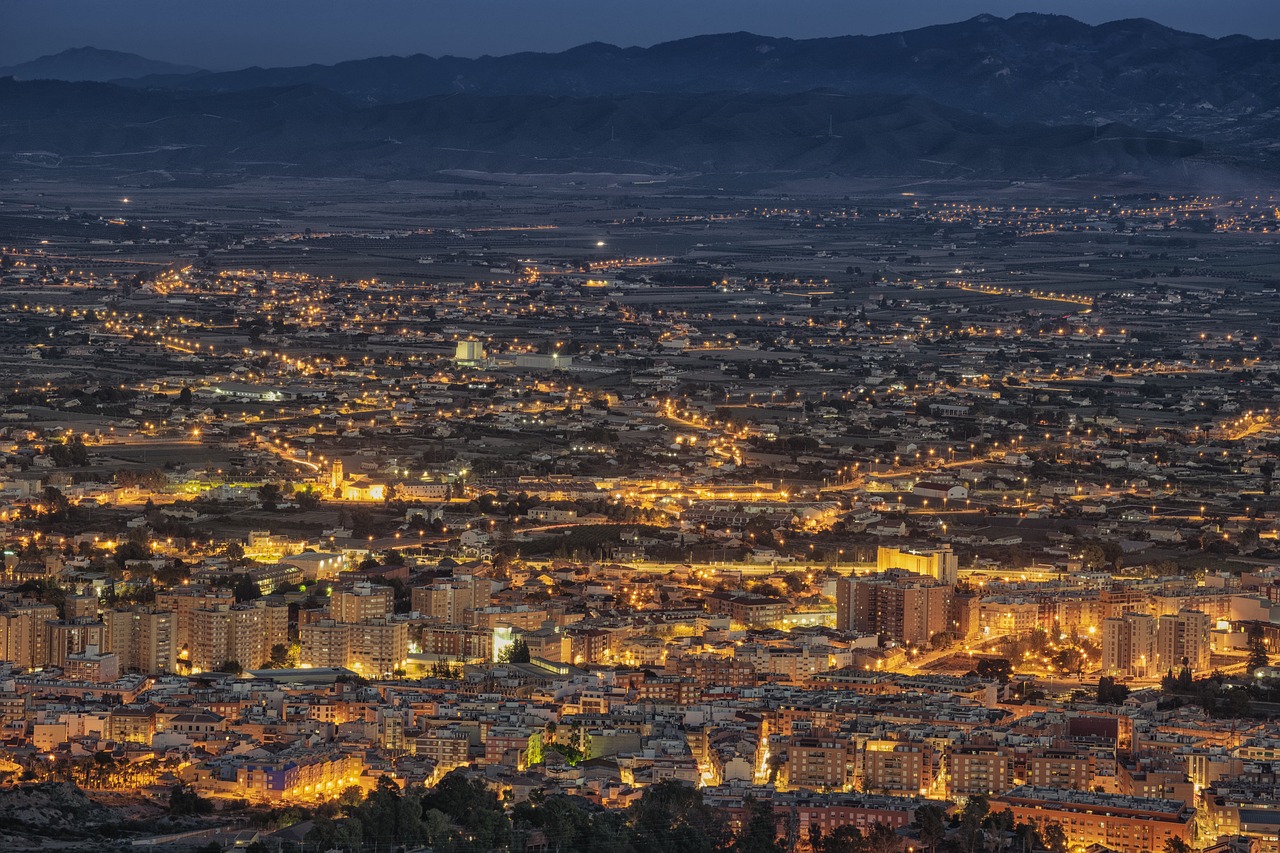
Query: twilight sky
{"points": [[224, 34]]}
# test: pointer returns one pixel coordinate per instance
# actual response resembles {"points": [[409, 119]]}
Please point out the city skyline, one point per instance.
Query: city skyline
{"points": [[741, 445]]}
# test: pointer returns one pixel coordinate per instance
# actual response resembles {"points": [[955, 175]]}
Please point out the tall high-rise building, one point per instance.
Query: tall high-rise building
{"points": [[142, 638], [117, 636], [375, 647], [391, 731], [361, 601], [449, 600], [906, 607], [323, 643], [378, 646], [24, 639], [183, 602], [1182, 639], [1129, 645], [941, 564], [242, 633], [71, 638]]}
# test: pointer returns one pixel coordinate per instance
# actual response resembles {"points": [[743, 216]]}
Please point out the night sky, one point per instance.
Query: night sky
{"points": [[224, 34]]}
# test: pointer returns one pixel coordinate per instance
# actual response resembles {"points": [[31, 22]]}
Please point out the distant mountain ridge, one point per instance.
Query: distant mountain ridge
{"points": [[1027, 96], [1026, 67], [93, 64], [307, 130]]}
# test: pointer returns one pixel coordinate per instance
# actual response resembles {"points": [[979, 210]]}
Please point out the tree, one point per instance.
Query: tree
{"points": [[1000, 823], [185, 801], [1054, 837], [388, 817], [517, 652], [184, 397], [1183, 682], [473, 808], [283, 656], [235, 553], [609, 833], [1111, 692], [269, 494], [1027, 837], [442, 669], [1176, 845], [131, 549], [307, 498], [563, 820], [672, 817], [842, 839], [759, 830], [569, 825], [930, 820], [973, 814], [1069, 659], [880, 838], [1257, 650], [999, 669], [330, 834], [246, 589], [1093, 556], [435, 827]]}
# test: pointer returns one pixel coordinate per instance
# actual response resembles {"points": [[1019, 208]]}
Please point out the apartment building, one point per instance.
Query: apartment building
{"points": [[242, 633], [1182, 639], [1129, 645], [1116, 822], [908, 608], [451, 600], [900, 769], [817, 764], [980, 770], [360, 602], [1066, 769], [142, 638]]}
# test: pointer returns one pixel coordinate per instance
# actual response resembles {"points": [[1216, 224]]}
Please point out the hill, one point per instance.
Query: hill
{"points": [[93, 64], [1028, 67], [305, 130]]}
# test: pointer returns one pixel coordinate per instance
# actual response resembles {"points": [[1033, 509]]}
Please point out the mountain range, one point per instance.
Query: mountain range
{"points": [[91, 63], [306, 130], [1027, 96]]}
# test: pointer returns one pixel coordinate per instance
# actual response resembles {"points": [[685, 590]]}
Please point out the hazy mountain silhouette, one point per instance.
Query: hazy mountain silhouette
{"points": [[91, 63], [109, 129], [1026, 67], [1030, 95]]}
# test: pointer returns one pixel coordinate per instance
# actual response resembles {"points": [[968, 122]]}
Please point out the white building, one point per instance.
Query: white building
{"points": [[469, 352]]}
